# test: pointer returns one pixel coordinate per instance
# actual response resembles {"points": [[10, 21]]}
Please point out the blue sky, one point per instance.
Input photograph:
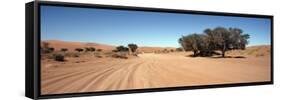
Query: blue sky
{"points": [[117, 27]]}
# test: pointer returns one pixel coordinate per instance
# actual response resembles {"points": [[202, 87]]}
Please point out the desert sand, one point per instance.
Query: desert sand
{"points": [[149, 70]]}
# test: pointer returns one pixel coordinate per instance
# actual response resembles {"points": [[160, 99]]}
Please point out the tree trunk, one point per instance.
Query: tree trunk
{"points": [[223, 50], [223, 53], [194, 53]]}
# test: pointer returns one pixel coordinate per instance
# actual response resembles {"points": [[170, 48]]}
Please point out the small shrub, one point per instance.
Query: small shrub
{"points": [[165, 51], [92, 49], [64, 49], [120, 55], [179, 49], [51, 49], [59, 57], [79, 49], [114, 50], [87, 49], [72, 54], [99, 50], [47, 50]]}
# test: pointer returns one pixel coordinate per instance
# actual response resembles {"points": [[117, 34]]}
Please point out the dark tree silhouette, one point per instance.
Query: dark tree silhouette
{"points": [[194, 42], [79, 49], [219, 38], [224, 39], [133, 47], [51, 49], [59, 57], [99, 50], [92, 49], [87, 49], [122, 48]]}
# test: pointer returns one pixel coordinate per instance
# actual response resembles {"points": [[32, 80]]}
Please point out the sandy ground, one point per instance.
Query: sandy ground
{"points": [[89, 74]]}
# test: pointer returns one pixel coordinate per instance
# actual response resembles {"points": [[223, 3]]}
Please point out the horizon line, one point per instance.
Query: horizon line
{"points": [[249, 45]]}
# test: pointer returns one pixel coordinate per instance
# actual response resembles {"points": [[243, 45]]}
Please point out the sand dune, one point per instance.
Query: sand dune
{"points": [[256, 51], [149, 70], [57, 44]]}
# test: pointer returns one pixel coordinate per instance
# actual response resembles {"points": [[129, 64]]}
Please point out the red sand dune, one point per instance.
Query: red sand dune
{"points": [[57, 44]]}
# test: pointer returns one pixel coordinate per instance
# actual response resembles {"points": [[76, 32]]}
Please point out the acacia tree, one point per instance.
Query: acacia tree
{"points": [[223, 39], [122, 48], [238, 39], [220, 38], [244, 41], [182, 43], [193, 42], [203, 45], [133, 47]]}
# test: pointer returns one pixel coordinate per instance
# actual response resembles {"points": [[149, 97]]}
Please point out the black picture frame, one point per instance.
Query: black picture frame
{"points": [[32, 72]]}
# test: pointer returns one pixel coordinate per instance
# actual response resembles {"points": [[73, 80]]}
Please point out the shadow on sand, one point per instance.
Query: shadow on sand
{"points": [[216, 57], [229, 57]]}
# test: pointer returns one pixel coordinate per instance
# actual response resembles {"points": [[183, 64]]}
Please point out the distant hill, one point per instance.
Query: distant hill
{"points": [[58, 44]]}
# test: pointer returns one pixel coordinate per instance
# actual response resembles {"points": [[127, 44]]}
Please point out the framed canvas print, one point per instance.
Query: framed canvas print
{"points": [[75, 49]]}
